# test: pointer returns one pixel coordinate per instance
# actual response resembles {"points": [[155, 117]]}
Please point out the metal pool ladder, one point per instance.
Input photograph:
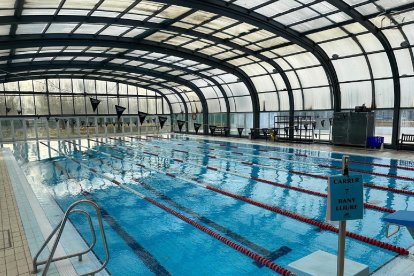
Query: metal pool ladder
{"points": [[60, 227]]}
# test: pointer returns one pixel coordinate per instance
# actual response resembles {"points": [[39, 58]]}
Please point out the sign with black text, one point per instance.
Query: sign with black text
{"points": [[345, 198]]}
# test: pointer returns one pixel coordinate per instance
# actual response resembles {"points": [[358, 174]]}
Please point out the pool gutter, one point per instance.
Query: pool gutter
{"points": [[39, 219]]}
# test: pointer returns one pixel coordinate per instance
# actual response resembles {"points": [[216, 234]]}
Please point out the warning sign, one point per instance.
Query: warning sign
{"points": [[345, 198]]}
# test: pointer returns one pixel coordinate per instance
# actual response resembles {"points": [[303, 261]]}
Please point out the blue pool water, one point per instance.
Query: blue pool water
{"points": [[146, 240]]}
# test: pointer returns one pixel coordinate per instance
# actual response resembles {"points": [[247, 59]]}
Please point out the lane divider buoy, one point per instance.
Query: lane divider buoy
{"points": [[368, 172], [367, 185], [381, 165], [277, 184], [290, 214], [266, 262], [317, 157], [310, 156]]}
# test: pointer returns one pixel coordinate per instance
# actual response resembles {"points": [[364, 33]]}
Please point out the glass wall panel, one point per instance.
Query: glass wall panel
{"points": [[383, 124], [28, 106], [2, 105], [41, 105], [269, 101], [407, 95], [55, 106], [359, 69], [298, 100], [407, 122], [30, 128], [79, 105], [42, 128], [317, 98], [243, 104], [13, 102], [384, 93], [53, 128], [284, 100], [356, 93], [6, 130], [67, 105]]}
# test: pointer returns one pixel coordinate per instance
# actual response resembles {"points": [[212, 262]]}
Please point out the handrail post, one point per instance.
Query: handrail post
{"points": [[60, 227], [342, 226]]}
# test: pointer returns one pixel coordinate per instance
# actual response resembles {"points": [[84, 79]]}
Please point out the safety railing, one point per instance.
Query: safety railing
{"points": [[59, 230]]}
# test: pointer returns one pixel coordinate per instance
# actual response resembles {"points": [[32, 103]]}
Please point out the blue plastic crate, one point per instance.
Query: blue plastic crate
{"points": [[375, 141]]}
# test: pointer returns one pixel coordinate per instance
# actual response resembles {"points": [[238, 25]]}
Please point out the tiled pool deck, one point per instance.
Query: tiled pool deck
{"points": [[31, 223], [15, 258]]}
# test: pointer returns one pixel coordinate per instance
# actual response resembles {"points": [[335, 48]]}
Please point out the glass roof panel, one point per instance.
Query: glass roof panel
{"points": [[73, 12], [173, 12], [61, 28], [218, 23], [6, 12], [277, 7], [115, 5], [80, 4], [146, 8], [38, 11], [198, 17], [115, 30], [135, 32], [312, 24], [34, 28], [250, 4], [105, 14], [7, 4], [89, 28], [297, 16], [41, 3], [5, 29]]}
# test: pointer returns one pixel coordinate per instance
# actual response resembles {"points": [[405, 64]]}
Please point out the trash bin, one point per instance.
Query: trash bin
{"points": [[375, 142]]}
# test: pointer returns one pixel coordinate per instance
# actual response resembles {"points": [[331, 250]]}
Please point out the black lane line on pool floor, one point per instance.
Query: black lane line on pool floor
{"points": [[147, 258], [271, 255], [273, 266], [321, 224], [270, 182], [367, 185]]}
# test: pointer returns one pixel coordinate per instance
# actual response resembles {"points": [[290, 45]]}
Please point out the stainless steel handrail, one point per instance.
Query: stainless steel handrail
{"points": [[60, 227]]}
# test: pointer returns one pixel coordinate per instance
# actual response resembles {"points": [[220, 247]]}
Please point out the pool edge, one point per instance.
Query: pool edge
{"points": [[37, 225]]}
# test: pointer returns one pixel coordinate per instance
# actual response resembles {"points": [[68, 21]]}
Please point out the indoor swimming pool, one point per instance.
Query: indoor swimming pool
{"points": [[187, 206]]}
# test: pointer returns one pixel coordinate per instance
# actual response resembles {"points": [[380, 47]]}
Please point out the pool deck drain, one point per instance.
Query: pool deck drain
{"points": [[15, 258]]}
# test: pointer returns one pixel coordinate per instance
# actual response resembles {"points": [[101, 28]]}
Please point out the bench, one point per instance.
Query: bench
{"points": [[224, 131], [405, 138], [260, 133]]}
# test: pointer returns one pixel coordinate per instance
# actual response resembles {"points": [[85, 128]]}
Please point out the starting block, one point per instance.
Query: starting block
{"points": [[321, 263], [400, 218]]}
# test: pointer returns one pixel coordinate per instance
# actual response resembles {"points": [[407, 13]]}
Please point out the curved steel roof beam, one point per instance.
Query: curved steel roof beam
{"points": [[145, 24], [122, 68], [245, 15], [103, 41], [47, 76], [35, 75], [160, 63]]}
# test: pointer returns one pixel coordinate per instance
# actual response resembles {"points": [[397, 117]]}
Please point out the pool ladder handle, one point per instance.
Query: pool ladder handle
{"points": [[60, 227], [388, 235]]}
